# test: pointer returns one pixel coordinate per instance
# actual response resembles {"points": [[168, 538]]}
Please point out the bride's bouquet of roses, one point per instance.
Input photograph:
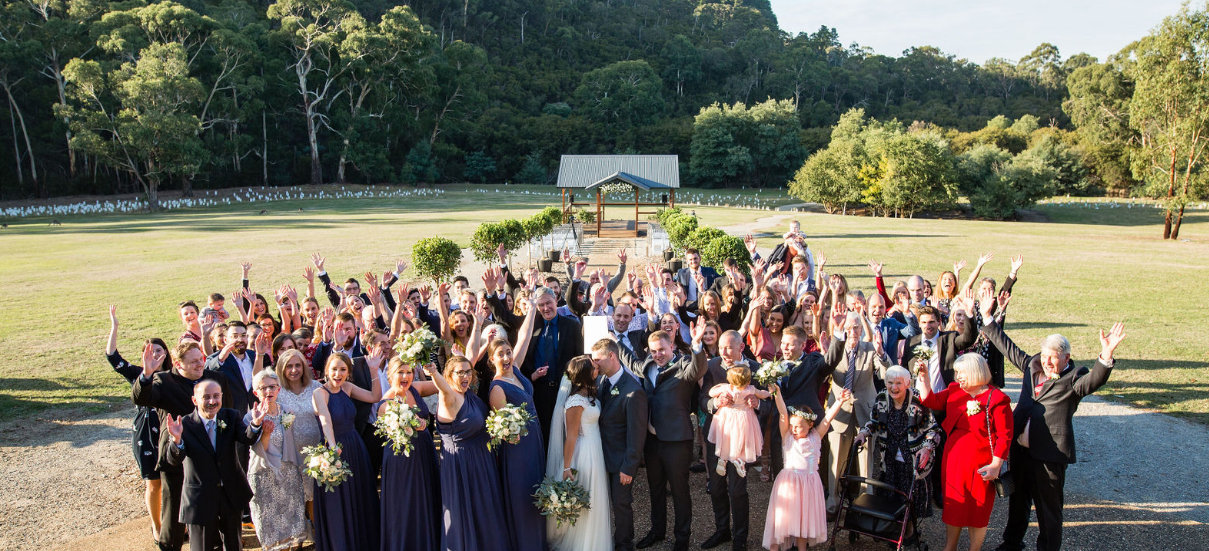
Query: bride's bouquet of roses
{"points": [[418, 347], [508, 424], [770, 373], [398, 423], [324, 465], [564, 500]]}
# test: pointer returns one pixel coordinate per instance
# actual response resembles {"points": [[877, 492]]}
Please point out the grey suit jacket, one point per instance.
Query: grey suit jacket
{"points": [[869, 365], [623, 422], [670, 396]]}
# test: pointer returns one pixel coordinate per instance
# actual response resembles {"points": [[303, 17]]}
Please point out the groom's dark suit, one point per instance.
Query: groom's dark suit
{"points": [[216, 489], [669, 447], [623, 422]]}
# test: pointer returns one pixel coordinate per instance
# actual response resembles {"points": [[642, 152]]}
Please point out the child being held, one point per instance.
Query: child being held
{"points": [[736, 430], [797, 512]]}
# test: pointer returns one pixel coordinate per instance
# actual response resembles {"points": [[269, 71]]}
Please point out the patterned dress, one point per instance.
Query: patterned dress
{"points": [[306, 424], [278, 500]]}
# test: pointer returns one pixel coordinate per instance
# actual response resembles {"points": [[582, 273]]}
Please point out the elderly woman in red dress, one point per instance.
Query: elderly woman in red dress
{"points": [[975, 448]]}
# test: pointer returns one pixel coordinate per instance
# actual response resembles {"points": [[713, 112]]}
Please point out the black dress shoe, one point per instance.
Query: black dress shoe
{"points": [[680, 546], [718, 538], [648, 540], [697, 468]]}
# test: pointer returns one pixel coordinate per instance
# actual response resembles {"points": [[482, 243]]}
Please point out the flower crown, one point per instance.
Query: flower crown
{"points": [[803, 413]]}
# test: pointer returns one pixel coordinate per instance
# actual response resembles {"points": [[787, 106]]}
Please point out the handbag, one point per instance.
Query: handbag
{"points": [[1005, 484]]}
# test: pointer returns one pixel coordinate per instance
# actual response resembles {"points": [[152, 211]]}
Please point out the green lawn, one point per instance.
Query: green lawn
{"points": [[1082, 272]]}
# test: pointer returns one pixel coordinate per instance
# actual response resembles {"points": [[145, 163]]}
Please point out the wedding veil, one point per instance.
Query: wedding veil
{"points": [[558, 431]]}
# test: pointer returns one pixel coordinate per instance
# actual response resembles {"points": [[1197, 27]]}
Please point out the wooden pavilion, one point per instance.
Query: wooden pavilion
{"points": [[601, 174]]}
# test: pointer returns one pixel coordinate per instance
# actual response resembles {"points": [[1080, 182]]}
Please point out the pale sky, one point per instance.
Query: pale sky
{"points": [[980, 29]]}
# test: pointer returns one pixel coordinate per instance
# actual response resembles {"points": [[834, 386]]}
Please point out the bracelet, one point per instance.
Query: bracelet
{"points": [[567, 469]]}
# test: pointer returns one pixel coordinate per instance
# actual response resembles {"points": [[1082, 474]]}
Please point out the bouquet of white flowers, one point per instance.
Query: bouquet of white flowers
{"points": [[508, 424], [417, 347], [564, 500], [324, 465], [922, 353], [399, 422], [770, 372]]}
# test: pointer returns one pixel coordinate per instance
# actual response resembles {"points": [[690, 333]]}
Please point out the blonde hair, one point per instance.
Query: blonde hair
{"points": [[974, 367], [396, 365], [739, 376], [283, 360]]}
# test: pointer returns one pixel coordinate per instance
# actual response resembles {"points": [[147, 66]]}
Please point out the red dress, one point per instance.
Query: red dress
{"points": [[968, 499]]}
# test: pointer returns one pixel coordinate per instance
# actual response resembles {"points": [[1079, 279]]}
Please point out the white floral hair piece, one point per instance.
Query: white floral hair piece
{"points": [[803, 413]]}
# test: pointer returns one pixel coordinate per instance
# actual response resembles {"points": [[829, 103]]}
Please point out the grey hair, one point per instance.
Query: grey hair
{"points": [[541, 292], [264, 374], [855, 318], [500, 332], [1056, 343], [898, 372], [857, 293]]}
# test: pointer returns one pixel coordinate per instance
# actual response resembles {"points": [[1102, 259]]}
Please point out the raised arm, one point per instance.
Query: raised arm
{"points": [[112, 345], [1099, 373], [244, 303], [822, 426], [782, 412], [525, 335], [982, 260], [617, 279]]}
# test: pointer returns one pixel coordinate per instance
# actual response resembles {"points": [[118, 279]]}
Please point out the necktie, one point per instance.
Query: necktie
{"points": [[851, 376], [624, 340], [211, 434], [606, 387]]}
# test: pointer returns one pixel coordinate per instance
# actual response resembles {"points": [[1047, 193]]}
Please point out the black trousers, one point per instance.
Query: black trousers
{"points": [[622, 498], [728, 496], [225, 532], [936, 477], [667, 465], [1039, 484], [172, 532]]}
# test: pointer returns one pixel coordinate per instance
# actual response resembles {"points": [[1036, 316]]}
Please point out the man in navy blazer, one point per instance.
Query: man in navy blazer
{"points": [[237, 364], [216, 489], [686, 276]]}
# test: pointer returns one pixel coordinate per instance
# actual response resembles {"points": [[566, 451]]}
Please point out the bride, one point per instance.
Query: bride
{"points": [[575, 445]]}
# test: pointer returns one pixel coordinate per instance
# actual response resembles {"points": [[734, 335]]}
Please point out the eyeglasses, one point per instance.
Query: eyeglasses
{"points": [[460, 372]]}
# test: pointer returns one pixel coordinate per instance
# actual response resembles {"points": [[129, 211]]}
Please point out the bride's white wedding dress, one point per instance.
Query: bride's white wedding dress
{"points": [[594, 529]]}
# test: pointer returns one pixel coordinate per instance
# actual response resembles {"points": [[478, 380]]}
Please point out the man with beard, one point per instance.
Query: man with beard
{"points": [[237, 364], [171, 393], [344, 340]]}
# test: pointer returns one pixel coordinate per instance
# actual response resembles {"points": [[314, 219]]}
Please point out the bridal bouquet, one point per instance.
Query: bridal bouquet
{"points": [[563, 500], [324, 465], [770, 373], [508, 424], [417, 347], [399, 422]]}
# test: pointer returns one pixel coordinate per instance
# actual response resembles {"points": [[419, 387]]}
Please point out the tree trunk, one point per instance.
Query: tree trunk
{"points": [[33, 166], [12, 119], [311, 131], [1175, 231], [1170, 194], [187, 185], [153, 196], [264, 157]]}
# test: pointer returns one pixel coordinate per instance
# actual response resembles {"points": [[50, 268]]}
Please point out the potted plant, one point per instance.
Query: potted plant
{"points": [[545, 265], [668, 254], [675, 264]]}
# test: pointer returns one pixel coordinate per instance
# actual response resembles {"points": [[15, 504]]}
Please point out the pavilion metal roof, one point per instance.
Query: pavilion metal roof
{"points": [[644, 171]]}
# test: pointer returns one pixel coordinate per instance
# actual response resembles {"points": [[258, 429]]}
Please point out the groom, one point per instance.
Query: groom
{"points": [[670, 381], [623, 421]]}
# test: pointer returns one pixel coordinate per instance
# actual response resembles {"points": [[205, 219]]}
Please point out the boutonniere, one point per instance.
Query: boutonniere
{"points": [[287, 420], [222, 425], [615, 392], [973, 407]]}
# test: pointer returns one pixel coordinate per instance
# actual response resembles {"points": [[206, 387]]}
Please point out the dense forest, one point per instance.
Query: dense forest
{"points": [[126, 96], [116, 96]]}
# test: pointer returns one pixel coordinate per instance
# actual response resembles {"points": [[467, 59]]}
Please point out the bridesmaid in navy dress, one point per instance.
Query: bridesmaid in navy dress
{"points": [[523, 463], [346, 518], [411, 518], [470, 485]]}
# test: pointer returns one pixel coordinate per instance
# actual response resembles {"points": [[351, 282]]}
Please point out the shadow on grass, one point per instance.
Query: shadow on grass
{"points": [[874, 236], [1011, 325]]}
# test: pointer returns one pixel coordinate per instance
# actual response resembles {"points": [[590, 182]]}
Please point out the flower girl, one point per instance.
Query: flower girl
{"points": [[735, 429]]}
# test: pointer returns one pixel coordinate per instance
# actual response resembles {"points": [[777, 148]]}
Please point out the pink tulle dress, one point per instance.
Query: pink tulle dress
{"points": [[736, 430], [796, 508]]}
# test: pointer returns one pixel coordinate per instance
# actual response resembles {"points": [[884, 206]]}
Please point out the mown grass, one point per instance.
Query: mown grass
{"points": [[1083, 271]]}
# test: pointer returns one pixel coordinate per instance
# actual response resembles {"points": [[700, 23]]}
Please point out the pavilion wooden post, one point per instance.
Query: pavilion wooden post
{"points": [[564, 190], [635, 211], [673, 198], [599, 211]]}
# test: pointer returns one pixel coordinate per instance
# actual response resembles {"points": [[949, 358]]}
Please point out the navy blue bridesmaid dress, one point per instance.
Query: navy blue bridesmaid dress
{"points": [[411, 505], [470, 484], [346, 518], [522, 468]]}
